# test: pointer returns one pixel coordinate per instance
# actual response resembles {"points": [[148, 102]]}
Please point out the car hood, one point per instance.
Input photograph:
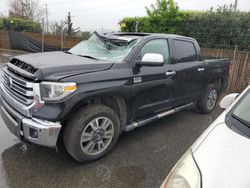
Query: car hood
{"points": [[58, 65], [223, 158]]}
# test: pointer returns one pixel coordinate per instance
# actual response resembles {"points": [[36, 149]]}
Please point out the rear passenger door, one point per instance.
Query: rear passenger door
{"points": [[189, 72]]}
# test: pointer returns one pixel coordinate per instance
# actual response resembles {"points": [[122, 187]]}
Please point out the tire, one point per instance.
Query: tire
{"points": [[87, 128], [211, 97]]}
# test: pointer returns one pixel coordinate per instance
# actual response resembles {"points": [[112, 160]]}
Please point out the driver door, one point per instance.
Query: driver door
{"points": [[152, 86]]}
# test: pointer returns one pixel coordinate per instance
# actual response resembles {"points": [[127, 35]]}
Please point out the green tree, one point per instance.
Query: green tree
{"points": [[165, 15], [162, 8]]}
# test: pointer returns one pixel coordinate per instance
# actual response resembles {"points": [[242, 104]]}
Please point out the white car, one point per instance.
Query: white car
{"points": [[221, 156]]}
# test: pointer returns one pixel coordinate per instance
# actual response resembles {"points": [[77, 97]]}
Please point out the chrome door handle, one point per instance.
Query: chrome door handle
{"points": [[201, 69], [170, 73]]}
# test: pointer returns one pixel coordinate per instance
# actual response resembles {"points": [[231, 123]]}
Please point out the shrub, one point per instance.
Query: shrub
{"points": [[19, 24], [220, 28]]}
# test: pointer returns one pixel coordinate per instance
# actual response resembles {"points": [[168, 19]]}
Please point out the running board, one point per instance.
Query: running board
{"points": [[134, 125]]}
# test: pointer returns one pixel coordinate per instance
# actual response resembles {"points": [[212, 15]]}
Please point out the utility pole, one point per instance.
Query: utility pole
{"points": [[42, 34], [235, 5], [47, 18], [62, 33]]}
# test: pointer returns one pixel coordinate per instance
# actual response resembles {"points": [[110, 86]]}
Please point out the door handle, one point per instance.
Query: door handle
{"points": [[201, 69], [170, 73]]}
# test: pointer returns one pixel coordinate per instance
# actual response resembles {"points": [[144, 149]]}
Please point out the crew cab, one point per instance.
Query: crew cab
{"points": [[108, 84]]}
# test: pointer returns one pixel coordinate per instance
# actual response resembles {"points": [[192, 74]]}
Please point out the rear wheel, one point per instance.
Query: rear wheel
{"points": [[92, 133], [208, 101]]}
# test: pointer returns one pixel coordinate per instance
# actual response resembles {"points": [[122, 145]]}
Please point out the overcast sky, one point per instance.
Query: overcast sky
{"points": [[97, 14]]}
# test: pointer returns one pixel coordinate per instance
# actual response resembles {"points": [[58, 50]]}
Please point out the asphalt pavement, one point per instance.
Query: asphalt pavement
{"points": [[141, 158]]}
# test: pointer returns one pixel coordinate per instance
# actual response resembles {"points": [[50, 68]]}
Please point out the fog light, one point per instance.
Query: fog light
{"points": [[33, 133]]}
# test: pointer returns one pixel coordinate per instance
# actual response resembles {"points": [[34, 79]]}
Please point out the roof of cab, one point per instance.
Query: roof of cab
{"points": [[133, 35]]}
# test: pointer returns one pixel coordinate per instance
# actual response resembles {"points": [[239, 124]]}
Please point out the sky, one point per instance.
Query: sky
{"points": [[105, 14]]}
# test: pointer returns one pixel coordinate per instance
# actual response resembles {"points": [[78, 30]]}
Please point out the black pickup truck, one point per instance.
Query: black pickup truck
{"points": [[106, 85]]}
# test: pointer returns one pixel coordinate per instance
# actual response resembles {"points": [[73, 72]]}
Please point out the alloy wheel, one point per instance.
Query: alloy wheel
{"points": [[212, 98], [97, 135]]}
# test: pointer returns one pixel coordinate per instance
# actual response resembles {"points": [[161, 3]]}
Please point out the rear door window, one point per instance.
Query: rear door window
{"points": [[185, 51]]}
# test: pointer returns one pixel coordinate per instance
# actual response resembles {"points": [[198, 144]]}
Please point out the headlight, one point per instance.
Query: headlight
{"points": [[185, 174], [52, 91]]}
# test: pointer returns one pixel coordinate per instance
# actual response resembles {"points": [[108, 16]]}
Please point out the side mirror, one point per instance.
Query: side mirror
{"points": [[228, 100], [152, 59]]}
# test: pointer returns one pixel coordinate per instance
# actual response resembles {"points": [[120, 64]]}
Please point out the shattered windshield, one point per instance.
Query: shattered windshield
{"points": [[101, 48]]}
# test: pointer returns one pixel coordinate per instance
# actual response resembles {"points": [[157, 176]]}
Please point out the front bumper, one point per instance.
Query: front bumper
{"points": [[33, 130]]}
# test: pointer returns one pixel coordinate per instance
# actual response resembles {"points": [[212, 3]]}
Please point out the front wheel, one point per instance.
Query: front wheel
{"points": [[92, 133], [209, 100]]}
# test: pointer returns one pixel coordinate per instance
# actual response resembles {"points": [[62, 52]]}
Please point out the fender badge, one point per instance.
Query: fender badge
{"points": [[137, 79]]}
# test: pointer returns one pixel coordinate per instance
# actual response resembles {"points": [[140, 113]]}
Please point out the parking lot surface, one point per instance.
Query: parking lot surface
{"points": [[141, 158]]}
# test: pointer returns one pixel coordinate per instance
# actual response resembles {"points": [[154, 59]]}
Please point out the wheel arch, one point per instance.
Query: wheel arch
{"points": [[218, 81], [115, 102]]}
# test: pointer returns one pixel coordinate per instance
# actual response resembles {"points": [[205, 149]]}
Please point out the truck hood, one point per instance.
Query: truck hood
{"points": [[223, 158], [57, 65]]}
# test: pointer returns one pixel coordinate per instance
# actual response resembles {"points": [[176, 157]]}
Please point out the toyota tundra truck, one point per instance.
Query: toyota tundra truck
{"points": [[106, 85]]}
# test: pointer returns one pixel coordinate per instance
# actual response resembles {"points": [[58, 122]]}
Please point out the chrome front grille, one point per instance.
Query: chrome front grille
{"points": [[17, 87]]}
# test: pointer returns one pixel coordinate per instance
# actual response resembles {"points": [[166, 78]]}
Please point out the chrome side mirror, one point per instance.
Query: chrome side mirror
{"points": [[152, 59], [228, 100]]}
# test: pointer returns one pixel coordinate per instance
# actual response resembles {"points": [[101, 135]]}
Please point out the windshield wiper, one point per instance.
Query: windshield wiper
{"points": [[241, 120], [87, 56]]}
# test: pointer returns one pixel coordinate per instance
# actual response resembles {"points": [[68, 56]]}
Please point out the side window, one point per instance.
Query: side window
{"points": [[159, 46], [185, 51]]}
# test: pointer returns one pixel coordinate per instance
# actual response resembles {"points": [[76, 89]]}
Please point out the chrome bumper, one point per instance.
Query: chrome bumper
{"points": [[41, 132], [35, 131]]}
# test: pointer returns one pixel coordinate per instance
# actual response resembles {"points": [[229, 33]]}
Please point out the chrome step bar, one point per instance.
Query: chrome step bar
{"points": [[134, 125]]}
